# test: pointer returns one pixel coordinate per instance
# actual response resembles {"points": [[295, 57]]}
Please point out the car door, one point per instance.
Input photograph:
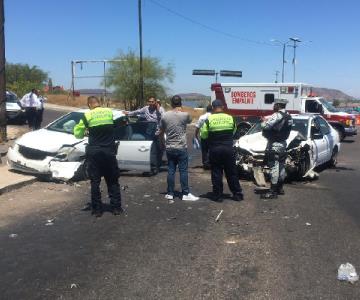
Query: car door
{"points": [[319, 142], [326, 131], [135, 142]]}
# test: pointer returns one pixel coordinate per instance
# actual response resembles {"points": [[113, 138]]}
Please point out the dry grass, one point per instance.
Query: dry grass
{"points": [[81, 101]]}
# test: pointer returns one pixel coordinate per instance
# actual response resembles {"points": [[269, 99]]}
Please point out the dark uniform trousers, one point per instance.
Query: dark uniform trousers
{"points": [[222, 158], [102, 162], [205, 152]]}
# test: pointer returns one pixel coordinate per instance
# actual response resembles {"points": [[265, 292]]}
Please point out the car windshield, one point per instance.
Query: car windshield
{"points": [[66, 123], [300, 125], [12, 98], [328, 105]]}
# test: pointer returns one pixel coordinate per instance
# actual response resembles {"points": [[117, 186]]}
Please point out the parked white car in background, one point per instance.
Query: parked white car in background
{"points": [[54, 152], [312, 142], [14, 112]]}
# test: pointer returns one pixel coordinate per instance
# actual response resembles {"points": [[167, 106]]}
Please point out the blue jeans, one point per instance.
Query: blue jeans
{"points": [[177, 157]]}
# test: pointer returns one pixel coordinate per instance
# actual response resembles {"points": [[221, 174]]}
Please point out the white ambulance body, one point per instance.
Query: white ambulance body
{"points": [[248, 102]]}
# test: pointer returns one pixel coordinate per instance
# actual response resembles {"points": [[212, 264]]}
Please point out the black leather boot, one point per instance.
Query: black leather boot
{"points": [[280, 189], [271, 194]]}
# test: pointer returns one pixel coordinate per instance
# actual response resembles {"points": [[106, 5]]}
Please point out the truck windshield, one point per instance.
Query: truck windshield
{"points": [[328, 105]]}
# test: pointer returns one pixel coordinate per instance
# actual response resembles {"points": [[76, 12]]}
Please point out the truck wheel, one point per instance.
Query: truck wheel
{"points": [[341, 133]]}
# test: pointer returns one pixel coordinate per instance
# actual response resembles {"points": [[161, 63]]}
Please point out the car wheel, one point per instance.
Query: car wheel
{"points": [[333, 159], [81, 173], [304, 165]]}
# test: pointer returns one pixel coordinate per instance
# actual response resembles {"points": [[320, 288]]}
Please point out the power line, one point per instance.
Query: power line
{"points": [[230, 35]]}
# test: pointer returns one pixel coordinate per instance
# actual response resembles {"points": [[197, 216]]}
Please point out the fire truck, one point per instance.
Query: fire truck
{"points": [[249, 102]]}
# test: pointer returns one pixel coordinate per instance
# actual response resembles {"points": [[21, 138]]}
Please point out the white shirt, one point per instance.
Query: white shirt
{"points": [[202, 119], [30, 100]]}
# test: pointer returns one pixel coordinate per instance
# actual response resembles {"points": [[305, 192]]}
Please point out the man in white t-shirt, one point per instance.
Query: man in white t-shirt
{"points": [[31, 103], [204, 142]]}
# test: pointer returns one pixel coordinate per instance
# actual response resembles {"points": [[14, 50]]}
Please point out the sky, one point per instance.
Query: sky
{"points": [[191, 34]]}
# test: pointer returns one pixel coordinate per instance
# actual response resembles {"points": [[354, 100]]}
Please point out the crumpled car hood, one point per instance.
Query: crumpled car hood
{"points": [[46, 140], [257, 143]]}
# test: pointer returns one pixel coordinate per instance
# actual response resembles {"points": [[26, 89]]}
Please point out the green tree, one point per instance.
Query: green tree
{"points": [[336, 102], [124, 77], [21, 78]]}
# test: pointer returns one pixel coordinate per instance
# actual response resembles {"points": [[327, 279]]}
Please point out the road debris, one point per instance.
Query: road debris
{"points": [[231, 242], [347, 272], [218, 216], [73, 286], [123, 188], [171, 201], [146, 196], [13, 235], [49, 222], [308, 224]]}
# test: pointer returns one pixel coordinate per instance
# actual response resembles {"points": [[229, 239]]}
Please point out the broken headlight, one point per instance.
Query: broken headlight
{"points": [[69, 153]]}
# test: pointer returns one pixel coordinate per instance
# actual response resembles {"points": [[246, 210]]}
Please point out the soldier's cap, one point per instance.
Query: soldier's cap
{"points": [[281, 101], [217, 103]]}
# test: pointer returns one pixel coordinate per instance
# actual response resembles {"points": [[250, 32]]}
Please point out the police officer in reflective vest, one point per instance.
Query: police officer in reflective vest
{"points": [[219, 129], [100, 155], [277, 129]]}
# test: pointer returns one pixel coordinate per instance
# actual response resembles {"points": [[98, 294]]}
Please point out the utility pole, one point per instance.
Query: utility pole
{"points": [[294, 40], [3, 122], [141, 58]]}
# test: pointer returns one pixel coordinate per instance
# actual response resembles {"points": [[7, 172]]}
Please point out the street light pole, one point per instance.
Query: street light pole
{"points": [[283, 63], [283, 57], [294, 40]]}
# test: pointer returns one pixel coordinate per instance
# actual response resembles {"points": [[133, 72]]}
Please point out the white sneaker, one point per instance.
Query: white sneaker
{"points": [[190, 197], [169, 197]]}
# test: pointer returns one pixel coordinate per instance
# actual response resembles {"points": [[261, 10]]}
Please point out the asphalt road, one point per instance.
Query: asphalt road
{"points": [[289, 248]]}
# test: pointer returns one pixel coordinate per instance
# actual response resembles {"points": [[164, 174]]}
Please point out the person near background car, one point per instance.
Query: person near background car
{"points": [[203, 141], [39, 111], [174, 124], [219, 130], [277, 129], [153, 112], [31, 103], [101, 155]]}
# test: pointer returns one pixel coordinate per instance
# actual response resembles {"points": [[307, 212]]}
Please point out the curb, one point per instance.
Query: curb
{"points": [[16, 185]]}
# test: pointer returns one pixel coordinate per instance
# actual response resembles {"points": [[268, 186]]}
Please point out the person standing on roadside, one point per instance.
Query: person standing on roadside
{"points": [[31, 103], [174, 124], [277, 130], [219, 129], [153, 112], [101, 155], [40, 111], [203, 141]]}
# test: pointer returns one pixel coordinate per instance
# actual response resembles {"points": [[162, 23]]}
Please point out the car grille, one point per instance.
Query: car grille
{"points": [[34, 154]]}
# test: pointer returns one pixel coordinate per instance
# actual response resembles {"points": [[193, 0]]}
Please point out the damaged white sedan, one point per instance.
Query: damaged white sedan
{"points": [[53, 152], [312, 142]]}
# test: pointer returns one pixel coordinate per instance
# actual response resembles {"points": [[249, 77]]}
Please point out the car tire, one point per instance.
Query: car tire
{"points": [[303, 166], [333, 160]]}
